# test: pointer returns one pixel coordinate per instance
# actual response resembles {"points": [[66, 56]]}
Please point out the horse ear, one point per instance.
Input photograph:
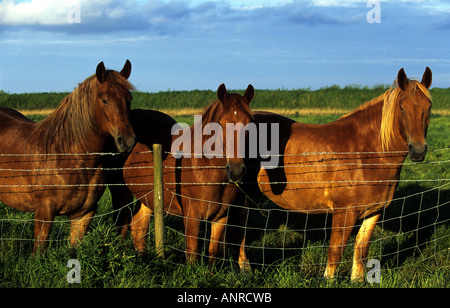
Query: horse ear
{"points": [[427, 77], [126, 71], [402, 79], [101, 72], [249, 93], [222, 93]]}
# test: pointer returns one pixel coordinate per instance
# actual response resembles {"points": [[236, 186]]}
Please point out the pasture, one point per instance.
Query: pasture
{"points": [[285, 249]]}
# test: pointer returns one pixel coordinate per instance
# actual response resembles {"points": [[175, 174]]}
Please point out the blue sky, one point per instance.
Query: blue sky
{"points": [[185, 45]]}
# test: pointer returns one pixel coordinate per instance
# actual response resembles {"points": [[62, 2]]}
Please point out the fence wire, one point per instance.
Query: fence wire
{"points": [[414, 225]]}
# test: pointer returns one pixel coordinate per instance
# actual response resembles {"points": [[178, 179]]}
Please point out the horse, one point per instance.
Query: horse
{"points": [[350, 167], [56, 167], [197, 186]]}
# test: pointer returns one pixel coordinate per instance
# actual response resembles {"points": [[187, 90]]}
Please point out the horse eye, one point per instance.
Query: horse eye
{"points": [[104, 101]]}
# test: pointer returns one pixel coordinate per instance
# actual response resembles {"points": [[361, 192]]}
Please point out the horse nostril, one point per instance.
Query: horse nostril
{"points": [[235, 172], [120, 141], [419, 150]]}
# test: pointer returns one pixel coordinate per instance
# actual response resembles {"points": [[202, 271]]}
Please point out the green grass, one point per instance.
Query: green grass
{"points": [[333, 97], [412, 242]]}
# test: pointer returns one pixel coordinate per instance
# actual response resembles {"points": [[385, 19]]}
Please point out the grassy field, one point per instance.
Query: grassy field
{"points": [[330, 99], [412, 242]]}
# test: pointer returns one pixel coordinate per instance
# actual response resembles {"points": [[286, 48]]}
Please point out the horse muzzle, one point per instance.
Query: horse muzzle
{"points": [[125, 144], [417, 153], [235, 171]]}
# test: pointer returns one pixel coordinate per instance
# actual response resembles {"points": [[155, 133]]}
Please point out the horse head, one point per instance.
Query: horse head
{"points": [[113, 106], [415, 107], [235, 117]]}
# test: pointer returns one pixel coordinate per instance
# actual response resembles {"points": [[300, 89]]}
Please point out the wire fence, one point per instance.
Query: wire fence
{"points": [[409, 226], [415, 225]]}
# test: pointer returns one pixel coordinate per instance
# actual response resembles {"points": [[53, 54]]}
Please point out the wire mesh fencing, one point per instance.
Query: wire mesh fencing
{"points": [[414, 228]]}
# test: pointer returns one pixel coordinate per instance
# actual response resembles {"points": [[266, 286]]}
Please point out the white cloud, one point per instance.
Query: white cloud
{"points": [[55, 12], [35, 12], [340, 3]]}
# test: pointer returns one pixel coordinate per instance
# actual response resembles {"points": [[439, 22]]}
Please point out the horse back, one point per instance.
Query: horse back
{"points": [[10, 117], [14, 114], [15, 130], [152, 127]]}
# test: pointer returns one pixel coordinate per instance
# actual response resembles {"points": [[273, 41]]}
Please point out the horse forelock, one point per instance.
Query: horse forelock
{"points": [[215, 110], [115, 81]]}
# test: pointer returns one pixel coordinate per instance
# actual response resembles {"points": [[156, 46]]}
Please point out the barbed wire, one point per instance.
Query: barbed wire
{"points": [[203, 154]]}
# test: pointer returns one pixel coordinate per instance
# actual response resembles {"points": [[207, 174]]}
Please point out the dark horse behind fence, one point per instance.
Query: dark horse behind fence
{"points": [[47, 167], [197, 188], [350, 167]]}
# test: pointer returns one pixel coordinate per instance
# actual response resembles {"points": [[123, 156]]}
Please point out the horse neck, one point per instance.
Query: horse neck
{"points": [[368, 122], [71, 129], [197, 137]]}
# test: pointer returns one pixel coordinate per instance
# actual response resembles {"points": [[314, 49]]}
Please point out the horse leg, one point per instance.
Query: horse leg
{"points": [[362, 244], [191, 231], [78, 228], [139, 226], [244, 264], [343, 223], [217, 238], [236, 236], [121, 201], [43, 220]]}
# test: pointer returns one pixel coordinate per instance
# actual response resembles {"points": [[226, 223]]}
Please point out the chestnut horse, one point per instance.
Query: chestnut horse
{"points": [[198, 187], [350, 167], [47, 167]]}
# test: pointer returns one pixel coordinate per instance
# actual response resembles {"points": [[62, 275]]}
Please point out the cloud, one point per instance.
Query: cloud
{"points": [[69, 15], [35, 12], [171, 17], [319, 12], [85, 16]]}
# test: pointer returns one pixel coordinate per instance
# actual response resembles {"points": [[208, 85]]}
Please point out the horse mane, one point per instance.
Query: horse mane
{"points": [[74, 120], [211, 113], [390, 100]]}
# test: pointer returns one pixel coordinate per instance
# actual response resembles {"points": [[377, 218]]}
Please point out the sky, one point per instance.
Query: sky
{"points": [[52, 45]]}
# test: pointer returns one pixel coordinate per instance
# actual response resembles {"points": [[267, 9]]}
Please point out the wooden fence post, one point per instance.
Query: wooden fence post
{"points": [[158, 199]]}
